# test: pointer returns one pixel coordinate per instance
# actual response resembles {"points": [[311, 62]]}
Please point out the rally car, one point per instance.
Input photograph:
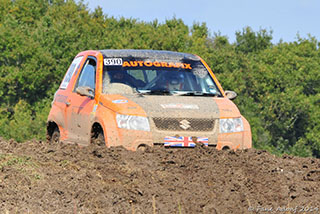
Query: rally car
{"points": [[142, 98]]}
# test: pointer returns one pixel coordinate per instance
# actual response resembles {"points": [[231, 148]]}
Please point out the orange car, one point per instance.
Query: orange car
{"points": [[141, 98]]}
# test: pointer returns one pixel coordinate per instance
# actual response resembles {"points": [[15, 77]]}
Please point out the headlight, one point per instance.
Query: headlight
{"points": [[133, 122], [231, 125]]}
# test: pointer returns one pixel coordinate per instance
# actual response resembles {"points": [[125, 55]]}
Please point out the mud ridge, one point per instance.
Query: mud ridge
{"points": [[36, 177]]}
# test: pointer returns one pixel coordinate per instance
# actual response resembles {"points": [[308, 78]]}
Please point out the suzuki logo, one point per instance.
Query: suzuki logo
{"points": [[185, 124]]}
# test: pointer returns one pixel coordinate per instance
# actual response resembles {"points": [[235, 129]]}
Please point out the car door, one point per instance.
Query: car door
{"points": [[81, 106], [60, 105]]}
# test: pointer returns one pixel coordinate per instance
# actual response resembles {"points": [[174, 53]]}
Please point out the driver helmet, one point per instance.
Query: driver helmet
{"points": [[174, 81]]}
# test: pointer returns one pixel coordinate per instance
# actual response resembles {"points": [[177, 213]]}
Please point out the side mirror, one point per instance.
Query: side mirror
{"points": [[85, 91], [231, 95]]}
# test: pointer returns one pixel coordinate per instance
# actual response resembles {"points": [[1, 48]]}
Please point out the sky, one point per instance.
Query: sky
{"points": [[285, 18]]}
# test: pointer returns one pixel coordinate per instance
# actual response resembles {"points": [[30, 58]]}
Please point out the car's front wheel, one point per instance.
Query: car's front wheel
{"points": [[99, 140], [55, 138]]}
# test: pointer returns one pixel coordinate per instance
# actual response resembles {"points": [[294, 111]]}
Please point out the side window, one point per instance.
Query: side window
{"points": [[74, 65], [87, 76]]}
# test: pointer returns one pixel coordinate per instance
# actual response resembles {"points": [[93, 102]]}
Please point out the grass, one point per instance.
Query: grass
{"points": [[23, 164], [12, 160]]}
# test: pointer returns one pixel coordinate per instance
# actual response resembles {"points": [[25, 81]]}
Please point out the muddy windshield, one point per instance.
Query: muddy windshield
{"points": [[159, 76]]}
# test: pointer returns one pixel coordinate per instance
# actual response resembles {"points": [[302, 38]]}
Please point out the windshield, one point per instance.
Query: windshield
{"points": [[154, 76]]}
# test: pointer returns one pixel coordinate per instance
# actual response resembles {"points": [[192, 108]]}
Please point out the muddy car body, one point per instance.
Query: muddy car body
{"points": [[140, 98]]}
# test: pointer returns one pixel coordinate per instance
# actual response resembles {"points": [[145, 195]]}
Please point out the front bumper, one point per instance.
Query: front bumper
{"points": [[132, 139]]}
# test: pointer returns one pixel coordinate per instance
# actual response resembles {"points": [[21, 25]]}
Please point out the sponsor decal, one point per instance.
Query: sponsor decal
{"points": [[112, 61], [120, 101], [179, 106], [156, 64], [94, 108], [60, 98], [93, 113]]}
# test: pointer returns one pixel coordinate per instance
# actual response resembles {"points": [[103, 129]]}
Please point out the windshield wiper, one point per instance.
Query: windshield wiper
{"points": [[156, 92], [177, 93], [197, 93]]}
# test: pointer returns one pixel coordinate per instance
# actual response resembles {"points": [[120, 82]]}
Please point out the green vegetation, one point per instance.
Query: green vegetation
{"points": [[278, 84], [20, 163]]}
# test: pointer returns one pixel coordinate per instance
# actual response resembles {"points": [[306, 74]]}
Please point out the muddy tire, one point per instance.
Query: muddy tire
{"points": [[99, 140], [142, 148], [55, 138]]}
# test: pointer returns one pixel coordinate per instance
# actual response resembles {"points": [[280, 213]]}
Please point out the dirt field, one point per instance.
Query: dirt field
{"points": [[39, 178]]}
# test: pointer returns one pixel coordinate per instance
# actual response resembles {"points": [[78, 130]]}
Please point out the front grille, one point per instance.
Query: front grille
{"points": [[184, 124]]}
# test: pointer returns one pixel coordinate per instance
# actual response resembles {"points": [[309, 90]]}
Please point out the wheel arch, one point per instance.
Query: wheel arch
{"points": [[51, 126], [96, 128]]}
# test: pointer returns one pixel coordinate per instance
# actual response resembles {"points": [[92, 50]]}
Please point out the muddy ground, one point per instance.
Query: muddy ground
{"points": [[39, 178]]}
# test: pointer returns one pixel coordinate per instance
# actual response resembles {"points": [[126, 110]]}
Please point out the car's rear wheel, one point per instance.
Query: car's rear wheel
{"points": [[55, 138]]}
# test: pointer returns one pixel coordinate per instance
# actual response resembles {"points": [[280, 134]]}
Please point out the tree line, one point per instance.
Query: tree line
{"points": [[278, 84]]}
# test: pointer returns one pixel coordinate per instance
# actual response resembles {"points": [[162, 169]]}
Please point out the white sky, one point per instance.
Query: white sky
{"points": [[285, 18]]}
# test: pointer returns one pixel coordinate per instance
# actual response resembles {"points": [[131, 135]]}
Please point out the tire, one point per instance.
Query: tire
{"points": [[99, 140], [55, 138], [144, 148]]}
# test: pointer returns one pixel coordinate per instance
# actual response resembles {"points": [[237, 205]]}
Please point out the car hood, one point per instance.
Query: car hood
{"points": [[171, 106], [165, 106], [177, 106]]}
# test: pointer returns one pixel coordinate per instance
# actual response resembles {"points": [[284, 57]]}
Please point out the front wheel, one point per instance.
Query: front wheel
{"points": [[99, 140], [55, 138]]}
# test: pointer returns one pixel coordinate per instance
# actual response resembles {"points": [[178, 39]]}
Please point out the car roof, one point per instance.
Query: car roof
{"points": [[154, 54]]}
